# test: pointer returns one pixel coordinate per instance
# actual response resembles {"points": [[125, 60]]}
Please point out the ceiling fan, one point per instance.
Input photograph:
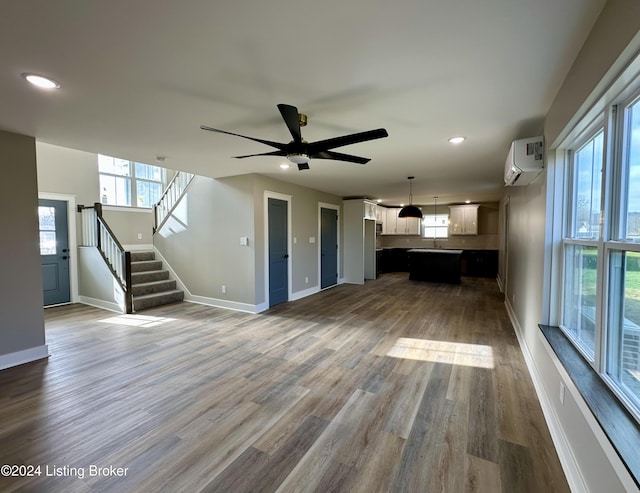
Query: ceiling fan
{"points": [[299, 151]]}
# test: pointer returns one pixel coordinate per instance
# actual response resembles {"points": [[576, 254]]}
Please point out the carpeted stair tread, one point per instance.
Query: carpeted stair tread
{"points": [[156, 299]]}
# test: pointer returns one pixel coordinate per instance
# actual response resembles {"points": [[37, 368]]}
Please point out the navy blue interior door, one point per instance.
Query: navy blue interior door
{"points": [[278, 254], [54, 251], [328, 247]]}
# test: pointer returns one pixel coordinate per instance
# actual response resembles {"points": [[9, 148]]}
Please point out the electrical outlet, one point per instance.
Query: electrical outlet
{"points": [[139, 236], [562, 393], [306, 280], [224, 289]]}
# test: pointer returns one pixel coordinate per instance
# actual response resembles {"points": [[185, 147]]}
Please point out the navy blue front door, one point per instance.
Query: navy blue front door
{"points": [[54, 251], [328, 247], [278, 254]]}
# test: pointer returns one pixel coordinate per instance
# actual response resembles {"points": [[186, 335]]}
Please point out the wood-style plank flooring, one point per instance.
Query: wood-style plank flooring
{"points": [[394, 386]]}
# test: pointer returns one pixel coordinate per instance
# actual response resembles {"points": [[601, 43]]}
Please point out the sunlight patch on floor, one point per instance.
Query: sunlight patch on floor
{"points": [[453, 353], [137, 320]]}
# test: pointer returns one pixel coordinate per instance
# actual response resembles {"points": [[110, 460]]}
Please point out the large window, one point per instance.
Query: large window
{"points": [[129, 184], [600, 309]]}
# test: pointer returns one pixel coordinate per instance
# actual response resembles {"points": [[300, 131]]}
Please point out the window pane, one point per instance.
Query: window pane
{"points": [[624, 323], [579, 310], [114, 166], [632, 227], [435, 225], [148, 193], [115, 190], [588, 182], [47, 218], [148, 172], [48, 243]]}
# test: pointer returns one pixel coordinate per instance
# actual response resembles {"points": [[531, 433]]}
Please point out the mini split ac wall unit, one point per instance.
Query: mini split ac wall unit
{"points": [[524, 162]]}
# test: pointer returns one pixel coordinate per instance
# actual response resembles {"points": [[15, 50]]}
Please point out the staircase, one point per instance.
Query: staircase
{"points": [[150, 284]]}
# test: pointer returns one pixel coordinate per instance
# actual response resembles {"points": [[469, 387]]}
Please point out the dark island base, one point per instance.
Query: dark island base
{"points": [[435, 265]]}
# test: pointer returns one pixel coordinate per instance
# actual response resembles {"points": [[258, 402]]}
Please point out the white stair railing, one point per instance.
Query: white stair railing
{"points": [[96, 233], [170, 198]]}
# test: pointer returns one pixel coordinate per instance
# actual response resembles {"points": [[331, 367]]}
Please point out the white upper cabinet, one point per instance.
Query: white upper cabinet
{"points": [[394, 225], [463, 219]]}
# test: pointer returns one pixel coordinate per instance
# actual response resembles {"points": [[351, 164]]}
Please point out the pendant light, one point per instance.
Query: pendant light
{"points": [[410, 210]]}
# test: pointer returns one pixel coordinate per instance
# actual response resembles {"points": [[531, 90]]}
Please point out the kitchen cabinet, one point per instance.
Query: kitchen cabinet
{"points": [[480, 263], [463, 219], [394, 225], [370, 210], [359, 241]]}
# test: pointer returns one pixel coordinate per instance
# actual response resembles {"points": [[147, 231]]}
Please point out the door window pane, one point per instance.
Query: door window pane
{"points": [[632, 220], [579, 310], [588, 183], [624, 323], [47, 221]]}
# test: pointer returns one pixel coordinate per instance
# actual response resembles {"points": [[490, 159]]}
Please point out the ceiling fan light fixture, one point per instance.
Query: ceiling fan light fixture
{"points": [[298, 158], [410, 210]]}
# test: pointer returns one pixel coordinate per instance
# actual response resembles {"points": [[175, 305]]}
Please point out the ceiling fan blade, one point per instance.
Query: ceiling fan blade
{"points": [[277, 145], [323, 145], [290, 116], [340, 157], [274, 153]]}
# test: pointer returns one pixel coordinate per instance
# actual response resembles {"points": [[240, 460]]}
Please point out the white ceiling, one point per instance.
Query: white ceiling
{"points": [[139, 78]]}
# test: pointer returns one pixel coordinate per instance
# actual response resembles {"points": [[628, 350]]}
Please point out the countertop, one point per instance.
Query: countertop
{"points": [[434, 250]]}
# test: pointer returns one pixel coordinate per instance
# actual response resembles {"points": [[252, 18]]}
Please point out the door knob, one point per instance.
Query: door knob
{"points": [[65, 257], [286, 255]]}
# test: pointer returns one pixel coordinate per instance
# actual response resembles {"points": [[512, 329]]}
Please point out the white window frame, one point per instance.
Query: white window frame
{"points": [[427, 228], [133, 184], [608, 113]]}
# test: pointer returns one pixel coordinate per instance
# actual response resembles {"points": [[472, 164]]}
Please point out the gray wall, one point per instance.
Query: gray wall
{"points": [[523, 272], [304, 224], [21, 312], [201, 241]]}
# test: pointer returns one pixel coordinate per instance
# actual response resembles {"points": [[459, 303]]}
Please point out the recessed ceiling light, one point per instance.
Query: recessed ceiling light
{"points": [[456, 140], [285, 166], [467, 201], [379, 200], [40, 81]]}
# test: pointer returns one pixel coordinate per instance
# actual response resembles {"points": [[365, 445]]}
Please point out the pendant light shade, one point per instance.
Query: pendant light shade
{"points": [[410, 210]]}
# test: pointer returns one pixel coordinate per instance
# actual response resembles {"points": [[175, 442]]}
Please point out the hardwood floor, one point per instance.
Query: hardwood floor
{"points": [[397, 385]]}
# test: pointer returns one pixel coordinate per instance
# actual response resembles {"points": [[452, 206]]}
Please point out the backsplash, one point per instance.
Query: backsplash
{"points": [[470, 242]]}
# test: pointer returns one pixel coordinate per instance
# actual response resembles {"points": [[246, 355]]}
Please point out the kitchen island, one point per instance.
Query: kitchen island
{"points": [[435, 265]]}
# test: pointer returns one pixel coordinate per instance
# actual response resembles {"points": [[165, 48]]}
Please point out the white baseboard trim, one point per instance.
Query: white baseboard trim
{"points": [[218, 303], [105, 305], [24, 356], [298, 295], [500, 285], [565, 454]]}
